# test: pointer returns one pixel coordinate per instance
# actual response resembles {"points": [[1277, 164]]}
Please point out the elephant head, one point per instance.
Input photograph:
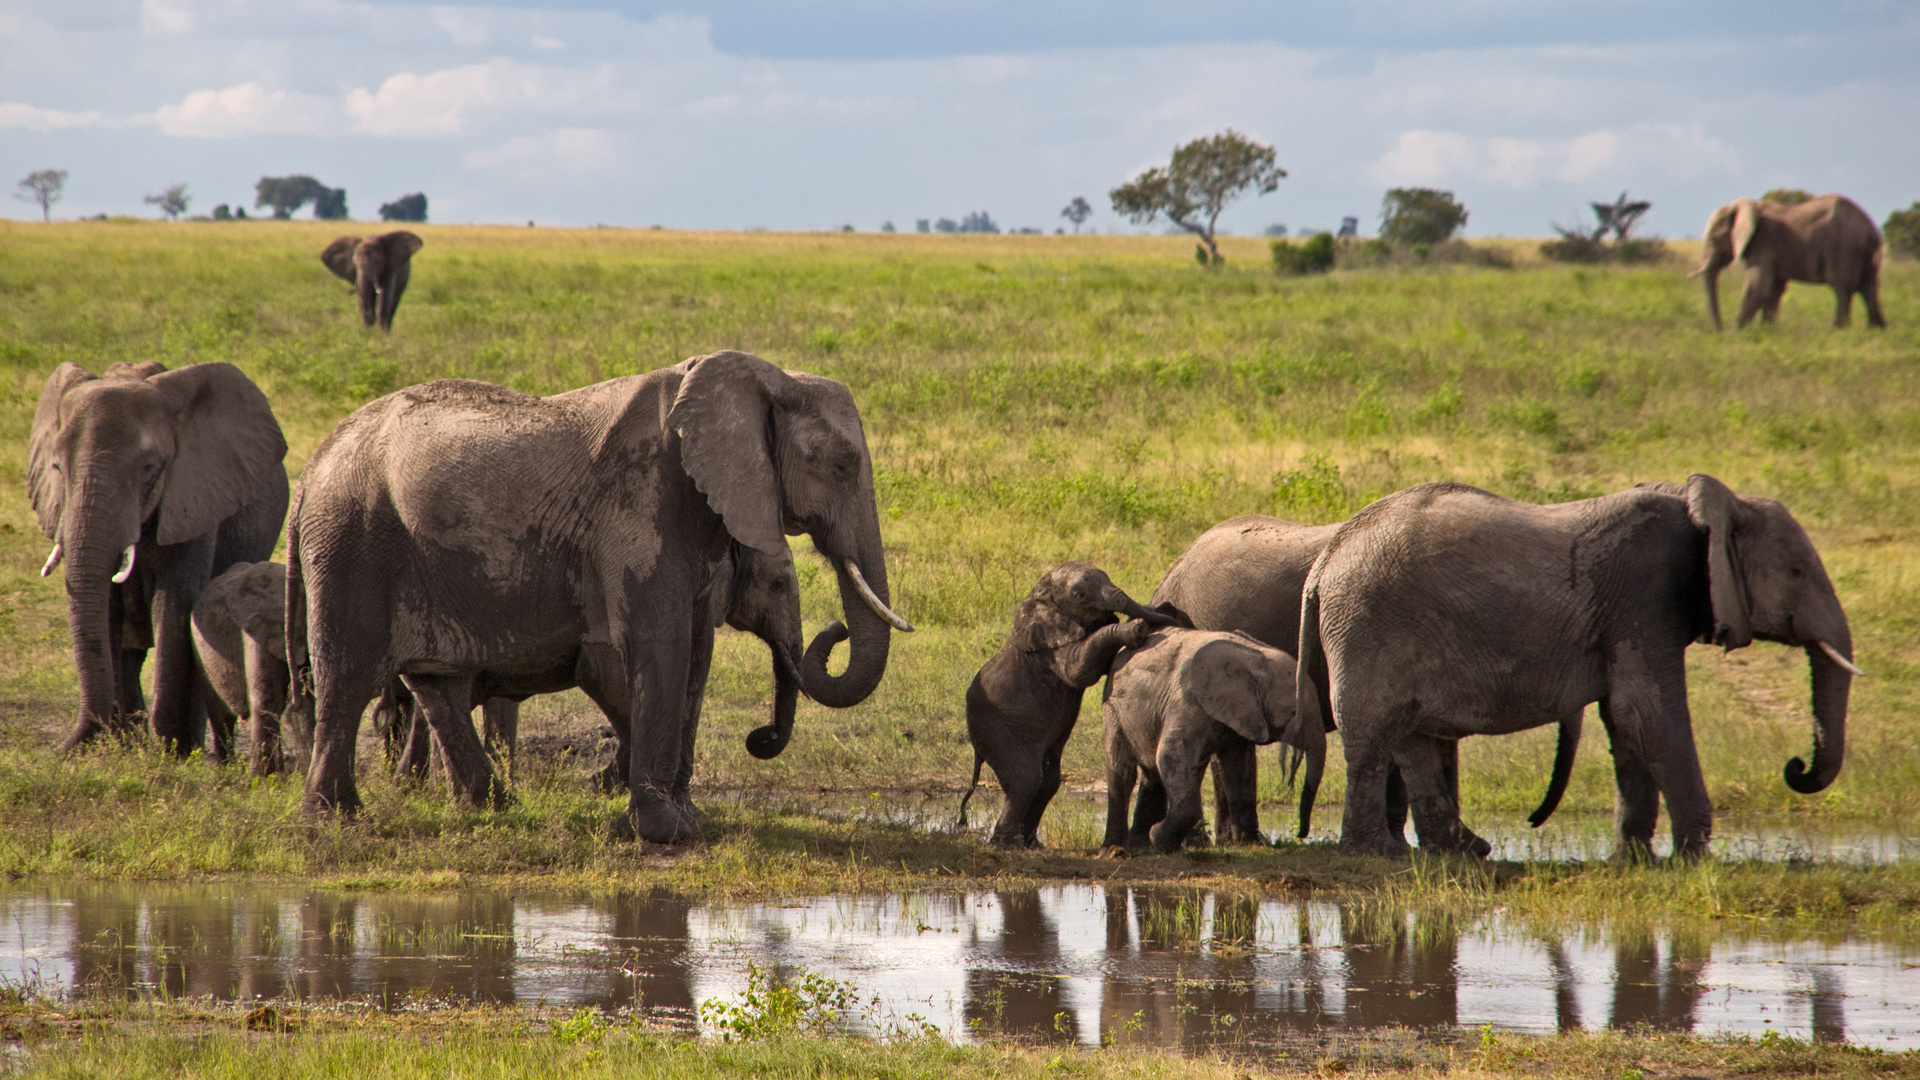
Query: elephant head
{"points": [[1071, 601], [126, 461], [377, 267], [1729, 234], [760, 594], [779, 453], [1240, 684], [1767, 581]]}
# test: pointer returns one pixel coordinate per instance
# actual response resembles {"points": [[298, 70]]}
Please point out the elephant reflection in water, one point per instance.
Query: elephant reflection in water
{"points": [[1657, 991], [459, 946], [650, 939], [1020, 1001], [1400, 972], [213, 946]]}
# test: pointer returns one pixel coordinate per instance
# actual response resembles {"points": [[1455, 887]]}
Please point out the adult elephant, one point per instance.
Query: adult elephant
{"points": [[1828, 240], [456, 529], [149, 482], [1443, 611], [377, 267], [1247, 574]]}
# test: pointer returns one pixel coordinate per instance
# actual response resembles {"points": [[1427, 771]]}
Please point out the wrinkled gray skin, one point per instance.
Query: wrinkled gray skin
{"points": [[183, 468], [457, 530], [1024, 702], [1246, 574], [1179, 700], [1828, 240], [1443, 611], [240, 639], [377, 267]]}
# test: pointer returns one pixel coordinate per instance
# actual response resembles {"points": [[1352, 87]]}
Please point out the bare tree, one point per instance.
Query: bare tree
{"points": [[1077, 211], [43, 187], [1618, 217], [1203, 177], [172, 202]]}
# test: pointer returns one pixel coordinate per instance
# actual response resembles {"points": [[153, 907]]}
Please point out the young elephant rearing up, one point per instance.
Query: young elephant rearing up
{"points": [[1023, 704]]}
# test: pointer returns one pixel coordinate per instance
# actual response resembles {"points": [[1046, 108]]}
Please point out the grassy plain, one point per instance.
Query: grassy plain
{"points": [[1027, 400]]}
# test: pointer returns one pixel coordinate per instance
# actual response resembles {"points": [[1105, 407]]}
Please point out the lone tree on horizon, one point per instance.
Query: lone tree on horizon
{"points": [[286, 194], [1077, 211], [172, 202], [43, 187], [1419, 216], [405, 208], [1203, 177]]}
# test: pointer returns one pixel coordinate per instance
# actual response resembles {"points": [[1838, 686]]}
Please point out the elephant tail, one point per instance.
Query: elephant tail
{"points": [[1563, 753], [1307, 734], [978, 761], [299, 662]]}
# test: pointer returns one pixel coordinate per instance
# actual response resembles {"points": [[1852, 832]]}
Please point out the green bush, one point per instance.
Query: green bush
{"points": [[1313, 255], [1420, 216], [1902, 232], [1788, 196]]}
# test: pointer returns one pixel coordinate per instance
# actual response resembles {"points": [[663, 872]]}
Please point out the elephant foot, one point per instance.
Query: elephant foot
{"points": [[344, 807], [654, 822], [1383, 846], [1113, 851]]}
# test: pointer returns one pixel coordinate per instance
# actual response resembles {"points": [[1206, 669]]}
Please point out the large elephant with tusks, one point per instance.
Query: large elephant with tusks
{"points": [[458, 530]]}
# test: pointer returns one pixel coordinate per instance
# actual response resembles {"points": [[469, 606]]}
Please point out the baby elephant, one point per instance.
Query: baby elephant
{"points": [[1024, 702], [1175, 703], [377, 267], [240, 637]]}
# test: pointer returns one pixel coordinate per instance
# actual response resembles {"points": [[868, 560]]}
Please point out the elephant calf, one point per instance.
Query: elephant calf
{"points": [[377, 267], [1024, 702], [1182, 699], [240, 638]]}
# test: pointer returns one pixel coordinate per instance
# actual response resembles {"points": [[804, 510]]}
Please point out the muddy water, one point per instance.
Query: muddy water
{"points": [[1066, 962]]}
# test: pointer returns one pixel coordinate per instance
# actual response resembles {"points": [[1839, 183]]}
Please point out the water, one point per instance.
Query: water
{"points": [[1080, 963]]}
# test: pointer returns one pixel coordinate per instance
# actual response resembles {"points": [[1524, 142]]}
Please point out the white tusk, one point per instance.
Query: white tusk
{"points": [[866, 593], [53, 560], [1838, 659], [126, 566]]}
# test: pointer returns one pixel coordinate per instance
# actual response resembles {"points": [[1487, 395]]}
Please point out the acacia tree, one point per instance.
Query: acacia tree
{"points": [[1203, 177], [43, 187], [172, 202], [1077, 211], [1419, 216], [286, 194]]}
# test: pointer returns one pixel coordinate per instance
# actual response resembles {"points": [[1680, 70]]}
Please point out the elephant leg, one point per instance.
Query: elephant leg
{"points": [[267, 685], [1842, 305], [222, 721], [337, 705], [1236, 774], [391, 289], [658, 690], [1753, 296], [696, 699], [1042, 796], [1397, 804], [1149, 809], [1180, 777], [129, 658], [601, 677], [1636, 806], [179, 707], [1650, 712], [1430, 767], [368, 291], [447, 702], [1122, 771], [500, 730], [1363, 825], [411, 735], [1870, 294], [1770, 310], [1020, 776]]}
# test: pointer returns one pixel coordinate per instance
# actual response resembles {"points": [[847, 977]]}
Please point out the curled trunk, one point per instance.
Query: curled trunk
{"points": [[767, 742], [869, 638], [1831, 686]]}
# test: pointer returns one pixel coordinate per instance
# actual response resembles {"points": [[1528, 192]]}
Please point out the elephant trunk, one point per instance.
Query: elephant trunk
{"points": [[1709, 269], [1832, 682], [90, 567], [767, 742], [863, 599]]}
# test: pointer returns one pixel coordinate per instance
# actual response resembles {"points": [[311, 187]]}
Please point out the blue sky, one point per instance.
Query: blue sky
{"points": [[804, 114]]}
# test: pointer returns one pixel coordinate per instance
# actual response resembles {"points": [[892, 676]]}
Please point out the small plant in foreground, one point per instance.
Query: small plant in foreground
{"points": [[806, 1004]]}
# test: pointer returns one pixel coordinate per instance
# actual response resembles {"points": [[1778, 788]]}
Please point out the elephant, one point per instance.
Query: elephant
{"points": [[150, 482], [1444, 610], [409, 738], [1175, 702], [456, 529], [1022, 705], [240, 640], [377, 267], [1826, 240], [1246, 574]]}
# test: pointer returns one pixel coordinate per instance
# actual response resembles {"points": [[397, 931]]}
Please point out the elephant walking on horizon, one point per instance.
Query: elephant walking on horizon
{"points": [[1444, 610], [1828, 240], [456, 530]]}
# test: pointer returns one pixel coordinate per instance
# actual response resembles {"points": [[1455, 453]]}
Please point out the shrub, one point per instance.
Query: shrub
{"points": [[1788, 196], [1313, 255], [405, 208], [1420, 216], [1575, 249], [1902, 232]]}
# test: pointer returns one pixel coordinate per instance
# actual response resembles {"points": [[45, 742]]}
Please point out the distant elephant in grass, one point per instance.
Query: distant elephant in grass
{"points": [[1024, 702], [456, 531], [1443, 611], [377, 267], [1247, 574], [1828, 240], [1177, 701], [240, 639], [150, 482]]}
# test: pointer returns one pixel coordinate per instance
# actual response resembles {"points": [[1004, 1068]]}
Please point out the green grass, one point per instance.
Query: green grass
{"points": [[1030, 400], [166, 1041]]}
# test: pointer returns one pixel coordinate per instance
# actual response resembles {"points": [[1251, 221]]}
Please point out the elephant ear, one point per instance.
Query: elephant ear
{"points": [[401, 245], [1227, 679], [226, 442], [339, 258], [724, 416], [1715, 510], [43, 484], [1746, 222]]}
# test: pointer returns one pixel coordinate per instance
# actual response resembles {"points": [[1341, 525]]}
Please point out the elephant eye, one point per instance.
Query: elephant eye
{"points": [[777, 585], [1798, 572]]}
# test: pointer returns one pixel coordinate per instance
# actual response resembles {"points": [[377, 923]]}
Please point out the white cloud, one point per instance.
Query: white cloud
{"points": [[1428, 157], [437, 104], [15, 115], [165, 17], [574, 150], [248, 109]]}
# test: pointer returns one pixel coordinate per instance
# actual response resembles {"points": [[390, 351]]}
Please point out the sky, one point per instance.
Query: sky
{"points": [[804, 114]]}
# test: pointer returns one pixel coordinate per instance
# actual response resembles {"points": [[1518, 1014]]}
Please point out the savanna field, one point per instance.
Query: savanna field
{"points": [[1028, 400]]}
